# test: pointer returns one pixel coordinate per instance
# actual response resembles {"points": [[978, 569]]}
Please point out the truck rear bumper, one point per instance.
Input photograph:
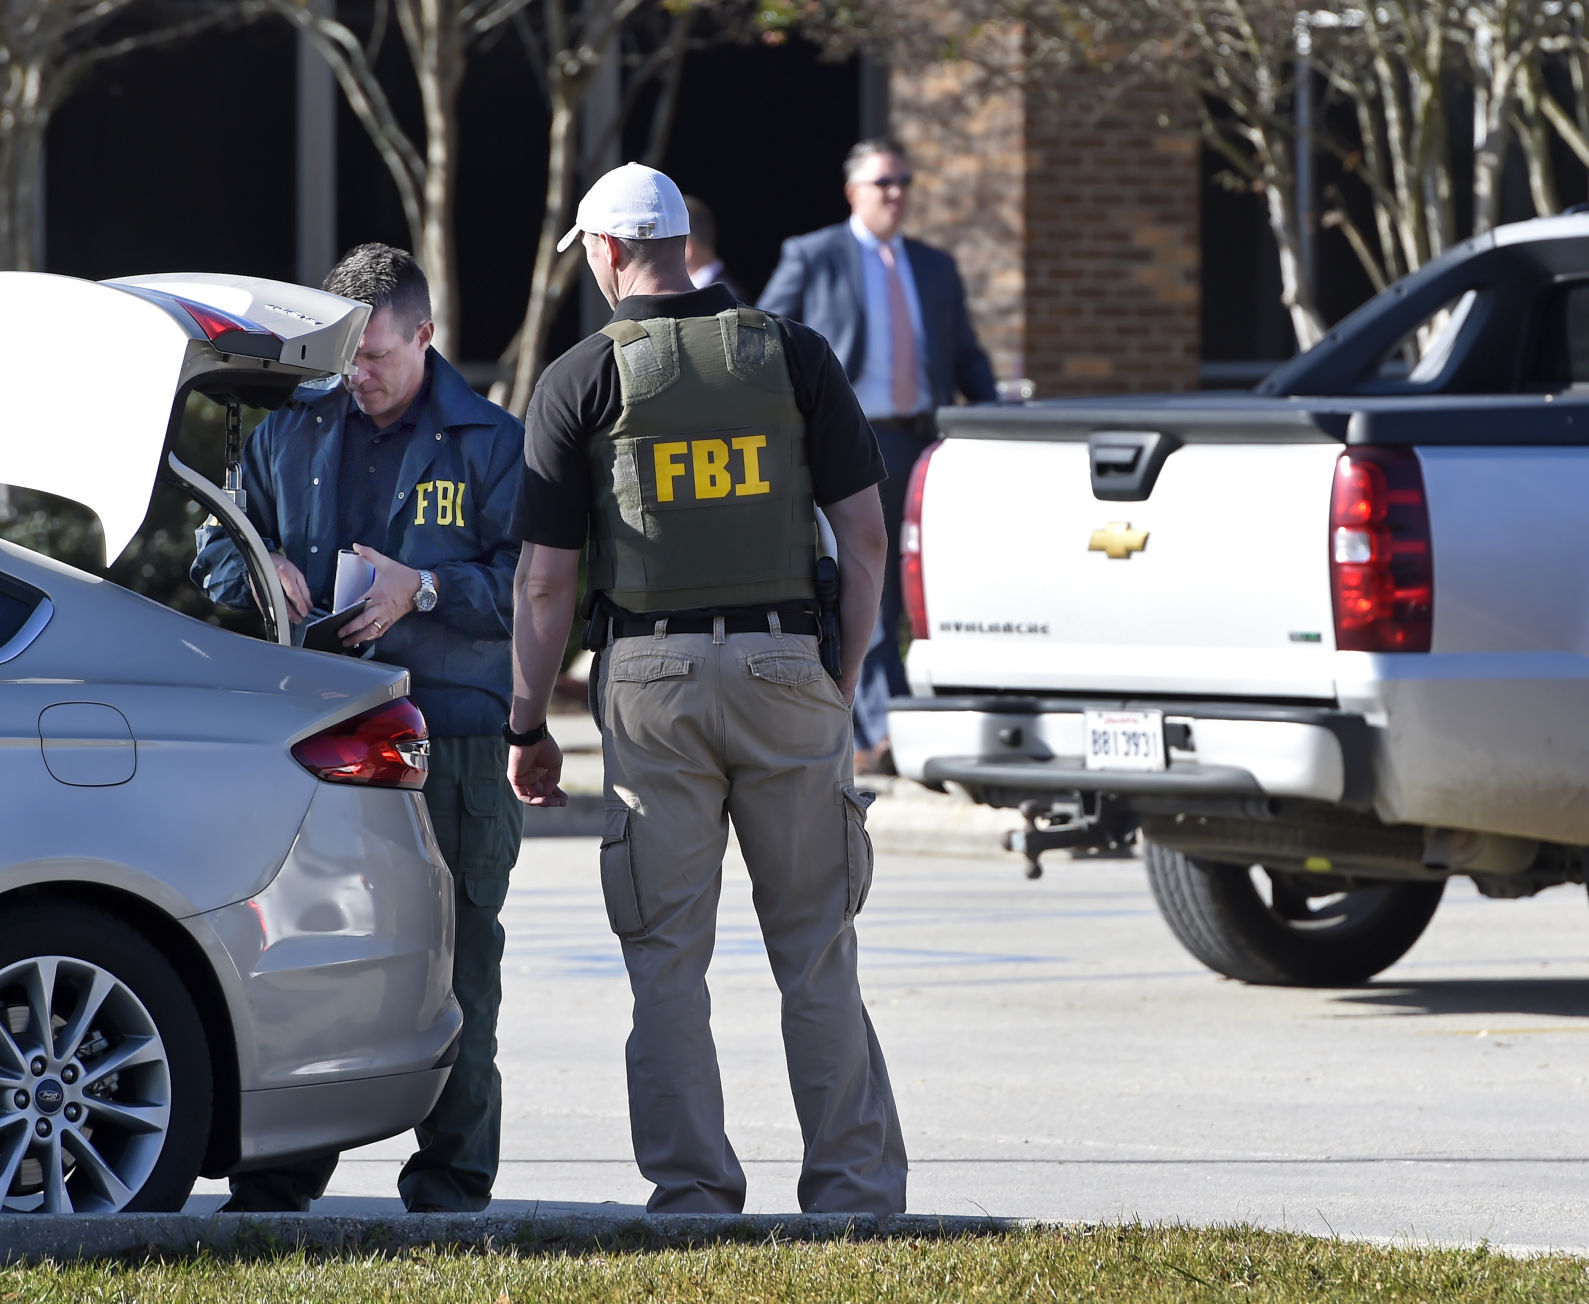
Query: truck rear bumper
{"points": [[1001, 748]]}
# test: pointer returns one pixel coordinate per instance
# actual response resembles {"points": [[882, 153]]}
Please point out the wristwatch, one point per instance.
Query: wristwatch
{"points": [[526, 739], [425, 599]]}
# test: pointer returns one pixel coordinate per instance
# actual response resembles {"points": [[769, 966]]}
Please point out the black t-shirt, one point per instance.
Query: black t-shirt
{"points": [[580, 394]]}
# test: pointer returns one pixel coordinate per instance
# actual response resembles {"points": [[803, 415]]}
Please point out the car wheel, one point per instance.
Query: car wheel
{"points": [[105, 1087], [1286, 929]]}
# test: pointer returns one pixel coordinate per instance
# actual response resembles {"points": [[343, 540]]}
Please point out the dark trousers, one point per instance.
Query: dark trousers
{"points": [[479, 824], [883, 673]]}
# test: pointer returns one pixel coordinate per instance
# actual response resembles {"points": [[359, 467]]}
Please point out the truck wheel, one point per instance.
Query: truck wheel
{"points": [[1273, 932]]}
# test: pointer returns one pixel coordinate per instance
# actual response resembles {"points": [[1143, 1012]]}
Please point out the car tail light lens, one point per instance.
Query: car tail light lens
{"points": [[215, 323], [1381, 562], [387, 747], [911, 582]]}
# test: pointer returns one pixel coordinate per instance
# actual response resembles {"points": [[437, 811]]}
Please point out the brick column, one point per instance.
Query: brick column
{"points": [[1072, 209]]}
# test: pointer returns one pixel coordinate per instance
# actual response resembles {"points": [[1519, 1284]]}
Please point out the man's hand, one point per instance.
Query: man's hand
{"points": [[389, 599], [534, 771], [293, 585]]}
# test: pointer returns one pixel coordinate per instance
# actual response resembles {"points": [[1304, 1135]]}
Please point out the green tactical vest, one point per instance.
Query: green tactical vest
{"points": [[702, 491]]}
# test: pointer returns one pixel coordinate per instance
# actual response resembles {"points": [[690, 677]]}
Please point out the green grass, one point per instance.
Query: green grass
{"points": [[1142, 1265]]}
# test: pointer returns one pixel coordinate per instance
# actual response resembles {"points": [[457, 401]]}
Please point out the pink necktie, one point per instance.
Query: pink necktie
{"points": [[902, 337]]}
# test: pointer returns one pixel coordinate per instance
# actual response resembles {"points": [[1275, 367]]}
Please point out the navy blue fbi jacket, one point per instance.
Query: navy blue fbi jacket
{"points": [[450, 514]]}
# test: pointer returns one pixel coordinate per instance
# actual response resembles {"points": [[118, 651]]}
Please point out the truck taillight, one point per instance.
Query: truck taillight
{"points": [[911, 583], [386, 747], [1381, 562]]}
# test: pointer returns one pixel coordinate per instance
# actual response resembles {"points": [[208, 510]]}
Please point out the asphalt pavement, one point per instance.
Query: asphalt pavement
{"points": [[1056, 1056]]}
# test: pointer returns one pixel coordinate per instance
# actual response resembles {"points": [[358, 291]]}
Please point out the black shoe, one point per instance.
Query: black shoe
{"points": [[247, 1202], [430, 1208]]}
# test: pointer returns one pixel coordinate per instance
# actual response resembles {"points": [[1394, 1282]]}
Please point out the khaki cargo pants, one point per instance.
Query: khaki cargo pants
{"points": [[698, 731]]}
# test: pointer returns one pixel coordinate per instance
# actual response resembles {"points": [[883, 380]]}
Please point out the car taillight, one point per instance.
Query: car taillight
{"points": [[386, 747], [911, 582], [1381, 562], [215, 323]]}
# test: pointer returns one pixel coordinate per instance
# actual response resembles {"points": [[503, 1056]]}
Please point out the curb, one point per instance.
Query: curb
{"points": [[928, 824], [59, 1238], [581, 818], [906, 819]]}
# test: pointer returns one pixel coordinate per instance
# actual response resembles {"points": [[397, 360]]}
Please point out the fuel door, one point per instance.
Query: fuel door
{"points": [[87, 744]]}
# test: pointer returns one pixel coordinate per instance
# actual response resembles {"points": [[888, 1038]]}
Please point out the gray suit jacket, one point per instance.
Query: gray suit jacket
{"points": [[818, 282]]}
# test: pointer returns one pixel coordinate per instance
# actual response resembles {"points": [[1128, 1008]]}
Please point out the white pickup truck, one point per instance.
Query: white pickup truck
{"points": [[1325, 644]]}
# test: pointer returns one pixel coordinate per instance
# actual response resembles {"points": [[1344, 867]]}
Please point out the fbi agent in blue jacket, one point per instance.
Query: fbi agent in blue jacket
{"points": [[407, 464]]}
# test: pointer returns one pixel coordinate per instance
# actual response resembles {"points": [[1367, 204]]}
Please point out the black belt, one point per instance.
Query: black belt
{"points": [[734, 622], [923, 425]]}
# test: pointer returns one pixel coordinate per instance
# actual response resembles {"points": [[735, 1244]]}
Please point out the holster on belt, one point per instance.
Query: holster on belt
{"points": [[594, 636], [827, 584]]}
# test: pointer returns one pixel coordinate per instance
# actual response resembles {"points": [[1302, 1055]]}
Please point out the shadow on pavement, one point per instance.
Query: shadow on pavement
{"points": [[1566, 998]]}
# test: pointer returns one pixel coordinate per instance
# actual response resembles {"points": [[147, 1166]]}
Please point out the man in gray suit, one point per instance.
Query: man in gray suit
{"points": [[894, 311]]}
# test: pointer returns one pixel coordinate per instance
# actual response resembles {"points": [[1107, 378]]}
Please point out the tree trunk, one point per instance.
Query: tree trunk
{"points": [[439, 60], [1533, 133], [1296, 292], [553, 271], [23, 120]]}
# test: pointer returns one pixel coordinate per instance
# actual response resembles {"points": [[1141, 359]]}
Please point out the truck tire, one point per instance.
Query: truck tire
{"points": [[1217, 912]]}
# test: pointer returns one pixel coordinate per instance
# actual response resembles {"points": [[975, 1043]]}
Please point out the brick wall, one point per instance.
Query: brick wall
{"points": [[1072, 208]]}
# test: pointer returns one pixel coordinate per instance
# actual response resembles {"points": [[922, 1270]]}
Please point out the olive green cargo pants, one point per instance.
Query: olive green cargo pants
{"points": [[748, 728], [479, 825]]}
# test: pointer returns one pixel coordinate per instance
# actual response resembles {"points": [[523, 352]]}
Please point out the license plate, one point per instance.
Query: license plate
{"points": [[1124, 740]]}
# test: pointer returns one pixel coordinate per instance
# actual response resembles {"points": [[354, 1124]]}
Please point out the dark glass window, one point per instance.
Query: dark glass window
{"points": [[1560, 356], [17, 603]]}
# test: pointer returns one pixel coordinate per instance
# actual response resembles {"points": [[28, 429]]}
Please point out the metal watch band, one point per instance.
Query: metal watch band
{"points": [[528, 738], [425, 598]]}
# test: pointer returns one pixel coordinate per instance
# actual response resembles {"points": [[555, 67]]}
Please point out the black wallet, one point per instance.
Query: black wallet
{"points": [[320, 634]]}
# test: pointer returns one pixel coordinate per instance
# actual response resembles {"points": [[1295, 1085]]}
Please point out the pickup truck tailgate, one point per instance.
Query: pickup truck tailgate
{"points": [[1217, 584]]}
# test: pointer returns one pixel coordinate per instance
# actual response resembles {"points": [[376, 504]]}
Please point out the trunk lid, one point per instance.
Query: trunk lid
{"points": [[99, 370]]}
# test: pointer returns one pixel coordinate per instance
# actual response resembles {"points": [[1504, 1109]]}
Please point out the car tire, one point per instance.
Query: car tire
{"points": [[1218, 913], [110, 1108]]}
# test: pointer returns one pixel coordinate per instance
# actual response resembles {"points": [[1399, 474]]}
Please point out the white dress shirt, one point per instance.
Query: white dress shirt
{"points": [[704, 275], [874, 386]]}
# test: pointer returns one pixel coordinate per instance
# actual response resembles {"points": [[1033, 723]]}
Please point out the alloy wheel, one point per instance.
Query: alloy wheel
{"points": [[85, 1088]]}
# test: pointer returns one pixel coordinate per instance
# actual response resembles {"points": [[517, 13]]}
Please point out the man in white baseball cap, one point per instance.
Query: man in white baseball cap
{"points": [[633, 202], [689, 443]]}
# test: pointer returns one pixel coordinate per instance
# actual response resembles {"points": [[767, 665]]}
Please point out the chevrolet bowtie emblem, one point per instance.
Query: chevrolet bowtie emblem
{"points": [[1118, 540]]}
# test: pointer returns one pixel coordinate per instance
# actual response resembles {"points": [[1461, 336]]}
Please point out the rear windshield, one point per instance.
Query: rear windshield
{"points": [[1561, 357]]}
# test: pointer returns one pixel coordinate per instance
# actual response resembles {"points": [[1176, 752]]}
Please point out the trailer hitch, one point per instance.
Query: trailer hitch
{"points": [[1091, 822]]}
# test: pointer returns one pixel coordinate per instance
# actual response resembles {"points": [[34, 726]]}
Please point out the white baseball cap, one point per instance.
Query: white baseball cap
{"points": [[633, 202]]}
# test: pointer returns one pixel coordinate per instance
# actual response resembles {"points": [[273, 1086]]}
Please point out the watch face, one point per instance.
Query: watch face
{"points": [[425, 599]]}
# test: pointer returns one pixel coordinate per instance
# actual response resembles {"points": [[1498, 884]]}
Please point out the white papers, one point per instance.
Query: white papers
{"points": [[354, 577]]}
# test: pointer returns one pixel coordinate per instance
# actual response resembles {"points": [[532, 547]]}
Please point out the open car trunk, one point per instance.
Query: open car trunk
{"points": [[147, 342]]}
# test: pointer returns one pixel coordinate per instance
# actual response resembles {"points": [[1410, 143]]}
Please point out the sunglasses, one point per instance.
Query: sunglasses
{"points": [[883, 183]]}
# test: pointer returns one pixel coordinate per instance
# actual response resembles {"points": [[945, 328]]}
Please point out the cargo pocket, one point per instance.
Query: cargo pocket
{"points": [[618, 886], [858, 845], [483, 889], [489, 836]]}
